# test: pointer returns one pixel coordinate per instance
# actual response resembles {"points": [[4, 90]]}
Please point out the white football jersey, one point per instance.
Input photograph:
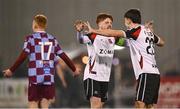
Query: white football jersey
{"points": [[100, 53], [141, 42]]}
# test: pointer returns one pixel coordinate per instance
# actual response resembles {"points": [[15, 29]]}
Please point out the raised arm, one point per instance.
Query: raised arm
{"points": [[159, 41], [106, 32], [110, 32], [81, 37]]}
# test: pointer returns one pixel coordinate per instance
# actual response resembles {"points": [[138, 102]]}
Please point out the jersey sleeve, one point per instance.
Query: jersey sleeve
{"points": [[27, 45], [133, 33], [120, 41], [156, 39], [58, 49], [82, 38], [19, 61], [68, 61]]}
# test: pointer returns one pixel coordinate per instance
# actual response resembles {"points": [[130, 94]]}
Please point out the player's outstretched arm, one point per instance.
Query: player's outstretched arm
{"points": [[18, 62], [7, 73], [106, 32], [61, 75]]}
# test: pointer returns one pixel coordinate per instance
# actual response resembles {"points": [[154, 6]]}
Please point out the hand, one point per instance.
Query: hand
{"points": [[7, 73], [79, 25], [77, 72], [149, 25], [64, 84], [89, 29]]}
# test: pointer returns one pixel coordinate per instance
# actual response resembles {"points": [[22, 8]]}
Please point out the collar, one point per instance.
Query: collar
{"points": [[134, 27]]}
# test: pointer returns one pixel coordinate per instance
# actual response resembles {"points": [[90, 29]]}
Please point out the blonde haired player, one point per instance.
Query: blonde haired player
{"points": [[41, 49]]}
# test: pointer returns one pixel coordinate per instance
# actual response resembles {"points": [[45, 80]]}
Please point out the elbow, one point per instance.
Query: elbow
{"points": [[161, 44]]}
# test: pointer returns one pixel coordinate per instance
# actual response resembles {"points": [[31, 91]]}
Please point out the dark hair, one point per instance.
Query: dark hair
{"points": [[103, 16], [134, 15], [41, 20]]}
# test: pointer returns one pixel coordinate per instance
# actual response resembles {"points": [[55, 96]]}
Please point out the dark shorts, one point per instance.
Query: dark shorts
{"points": [[96, 89], [147, 89], [37, 92]]}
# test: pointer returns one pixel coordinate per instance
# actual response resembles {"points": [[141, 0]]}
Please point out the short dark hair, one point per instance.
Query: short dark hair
{"points": [[103, 16], [134, 15], [41, 20]]}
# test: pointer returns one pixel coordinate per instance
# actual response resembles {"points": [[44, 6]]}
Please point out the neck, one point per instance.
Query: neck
{"points": [[38, 29]]}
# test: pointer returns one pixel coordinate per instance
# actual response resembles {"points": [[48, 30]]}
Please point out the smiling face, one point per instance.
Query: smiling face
{"points": [[105, 24], [131, 17], [104, 21], [34, 25]]}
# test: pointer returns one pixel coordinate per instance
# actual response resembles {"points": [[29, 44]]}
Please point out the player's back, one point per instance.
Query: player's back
{"points": [[142, 51], [42, 49]]}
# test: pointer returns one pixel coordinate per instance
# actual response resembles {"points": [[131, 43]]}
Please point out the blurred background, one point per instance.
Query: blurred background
{"points": [[15, 23]]}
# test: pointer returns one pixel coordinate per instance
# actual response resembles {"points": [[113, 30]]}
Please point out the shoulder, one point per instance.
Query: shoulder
{"points": [[51, 36], [134, 33], [28, 37]]}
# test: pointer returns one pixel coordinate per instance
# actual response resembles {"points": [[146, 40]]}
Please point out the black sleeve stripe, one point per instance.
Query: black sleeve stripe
{"points": [[133, 33], [156, 39]]}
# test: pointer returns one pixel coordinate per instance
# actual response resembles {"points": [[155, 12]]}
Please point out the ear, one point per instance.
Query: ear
{"points": [[99, 24], [129, 21], [36, 25]]}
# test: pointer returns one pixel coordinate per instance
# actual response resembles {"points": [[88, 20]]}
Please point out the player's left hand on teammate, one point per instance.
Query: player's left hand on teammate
{"points": [[149, 24], [7, 73]]}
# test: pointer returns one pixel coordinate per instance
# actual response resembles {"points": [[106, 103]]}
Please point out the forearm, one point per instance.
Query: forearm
{"points": [[159, 40], [60, 73], [19, 61], [68, 61], [110, 33], [80, 37], [62, 77]]}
